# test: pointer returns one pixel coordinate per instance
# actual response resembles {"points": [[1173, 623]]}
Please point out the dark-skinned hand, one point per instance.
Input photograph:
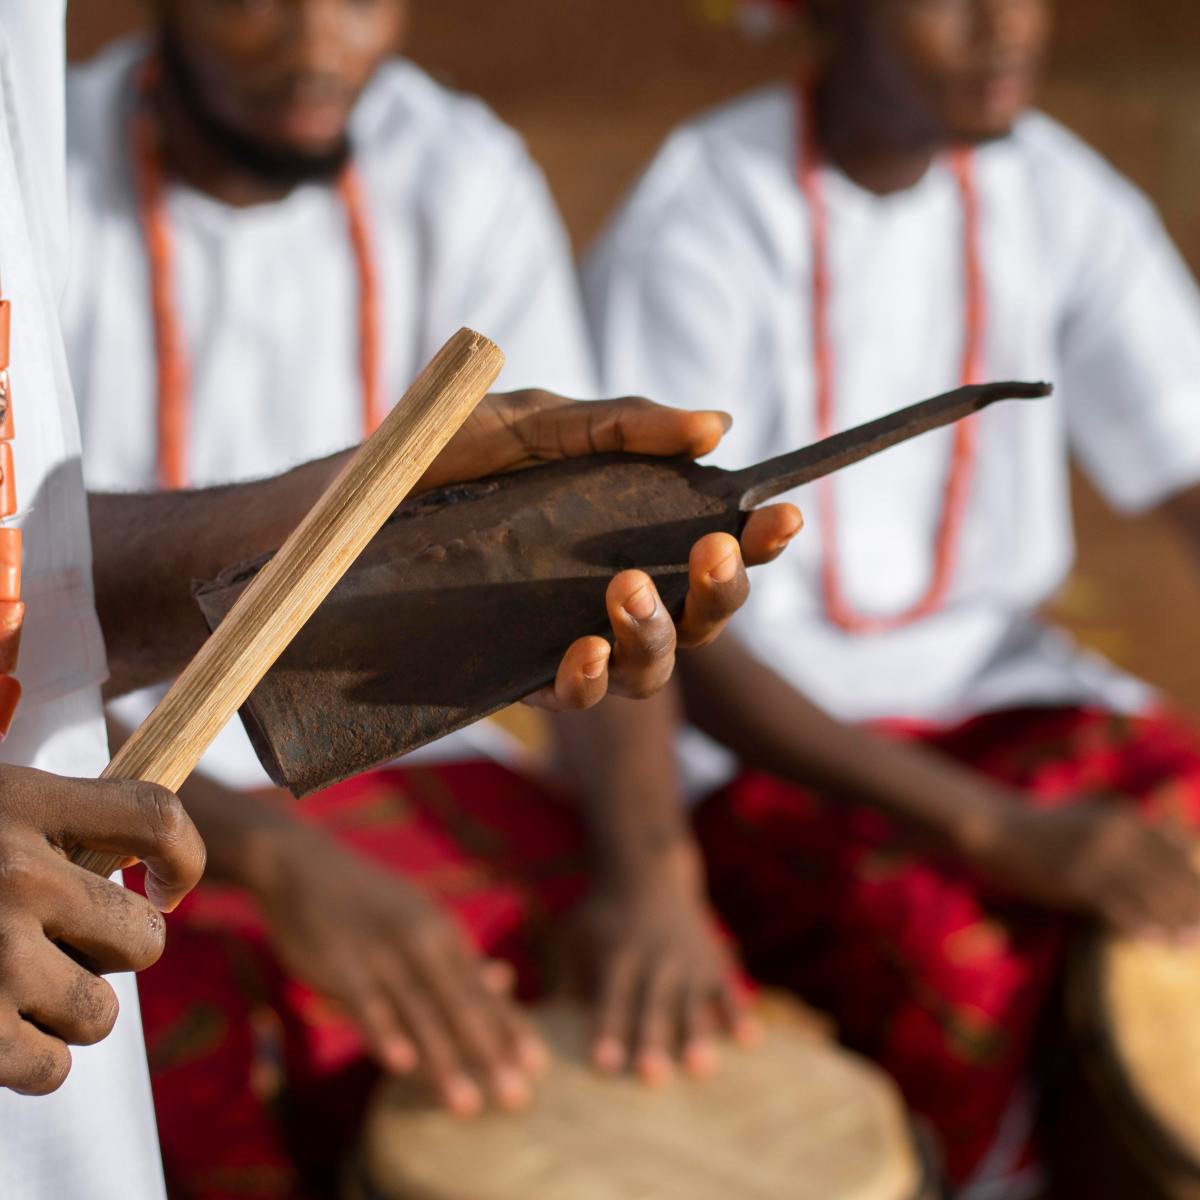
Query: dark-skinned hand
{"points": [[400, 968], [663, 987], [62, 928], [524, 429], [1097, 859]]}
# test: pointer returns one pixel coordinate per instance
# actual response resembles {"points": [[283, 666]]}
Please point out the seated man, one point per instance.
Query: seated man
{"points": [[813, 257], [276, 224], [67, 1036]]}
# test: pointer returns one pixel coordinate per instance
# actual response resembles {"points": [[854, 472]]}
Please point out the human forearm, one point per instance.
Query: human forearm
{"points": [[1184, 512], [644, 941], [621, 762], [755, 713], [147, 549], [350, 930], [1084, 854], [244, 833]]}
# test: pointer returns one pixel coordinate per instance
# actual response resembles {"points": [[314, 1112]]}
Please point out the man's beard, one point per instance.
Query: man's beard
{"points": [[273, 165]]}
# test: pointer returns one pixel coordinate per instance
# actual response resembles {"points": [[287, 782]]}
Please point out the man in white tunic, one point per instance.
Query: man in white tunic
{"points": [[812, 257], [77, 1125], [275, 224]]}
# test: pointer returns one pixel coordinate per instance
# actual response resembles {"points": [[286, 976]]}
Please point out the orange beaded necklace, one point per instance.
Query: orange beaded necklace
{"points": [[12, 610], [174, 366], [964, 453]]}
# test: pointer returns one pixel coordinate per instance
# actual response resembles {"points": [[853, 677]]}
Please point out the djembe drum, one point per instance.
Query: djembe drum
{"points": [[797, 1119], [1127, 1118]]}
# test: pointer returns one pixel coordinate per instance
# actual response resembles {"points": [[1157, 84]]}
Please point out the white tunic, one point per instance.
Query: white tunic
{"points": [[94, 1138], [700, 295], [466, 234]]}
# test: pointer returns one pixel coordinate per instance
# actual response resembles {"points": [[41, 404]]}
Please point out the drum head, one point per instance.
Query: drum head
{"points": [[797, 1119], [1152, 998]]}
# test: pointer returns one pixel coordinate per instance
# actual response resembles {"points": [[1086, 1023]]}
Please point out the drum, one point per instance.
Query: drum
{"points": [[797, 1119], [1128, 1115]]}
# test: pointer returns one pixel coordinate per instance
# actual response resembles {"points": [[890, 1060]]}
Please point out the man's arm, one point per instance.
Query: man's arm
{"points": [[148, 548], [659, 977], [621, 761], [771, 727], [1183, 510], [1093, 858], [375, 945]]}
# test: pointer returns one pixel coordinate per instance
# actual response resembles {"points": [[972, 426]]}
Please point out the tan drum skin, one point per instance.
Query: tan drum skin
{"points": [[1129, 1119], [796, 1119]]}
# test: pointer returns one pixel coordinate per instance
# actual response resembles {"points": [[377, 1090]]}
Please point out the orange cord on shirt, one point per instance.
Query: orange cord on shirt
{"points": [[963, 455], [12, 611], [174, 367], [350, 188]]}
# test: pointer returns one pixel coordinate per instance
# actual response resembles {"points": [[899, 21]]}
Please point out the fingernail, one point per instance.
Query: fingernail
{"points": [[725, 570], [399, 1058], [535, 1058], [654, 1067], [463, 1098], [157, 895], [749, 1033], [498, 977], [643, 604], [700, 1058], [726, 420], [512, 1090], [609, 1055], [596, 668]]}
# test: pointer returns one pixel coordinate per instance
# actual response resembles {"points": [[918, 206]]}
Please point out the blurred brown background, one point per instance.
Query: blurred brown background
{"points": [[595, 84]]}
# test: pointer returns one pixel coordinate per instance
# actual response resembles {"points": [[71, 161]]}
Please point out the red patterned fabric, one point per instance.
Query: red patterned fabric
{"points": [[926, 969], [260, 1087]]}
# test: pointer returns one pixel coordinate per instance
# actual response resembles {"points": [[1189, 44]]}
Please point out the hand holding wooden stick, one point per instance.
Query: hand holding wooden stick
{"points": [[168, 745]]}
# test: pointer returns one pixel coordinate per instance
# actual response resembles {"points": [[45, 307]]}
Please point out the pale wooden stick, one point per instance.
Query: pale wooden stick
{"points": [[289, 589]]}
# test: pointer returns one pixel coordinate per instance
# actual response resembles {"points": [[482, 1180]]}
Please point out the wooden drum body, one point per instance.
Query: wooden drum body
{"points": [[797, 1119], [1128, 1116]]}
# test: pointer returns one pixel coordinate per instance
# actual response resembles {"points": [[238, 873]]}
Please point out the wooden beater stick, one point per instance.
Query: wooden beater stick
{"points": [[170, 742]]}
